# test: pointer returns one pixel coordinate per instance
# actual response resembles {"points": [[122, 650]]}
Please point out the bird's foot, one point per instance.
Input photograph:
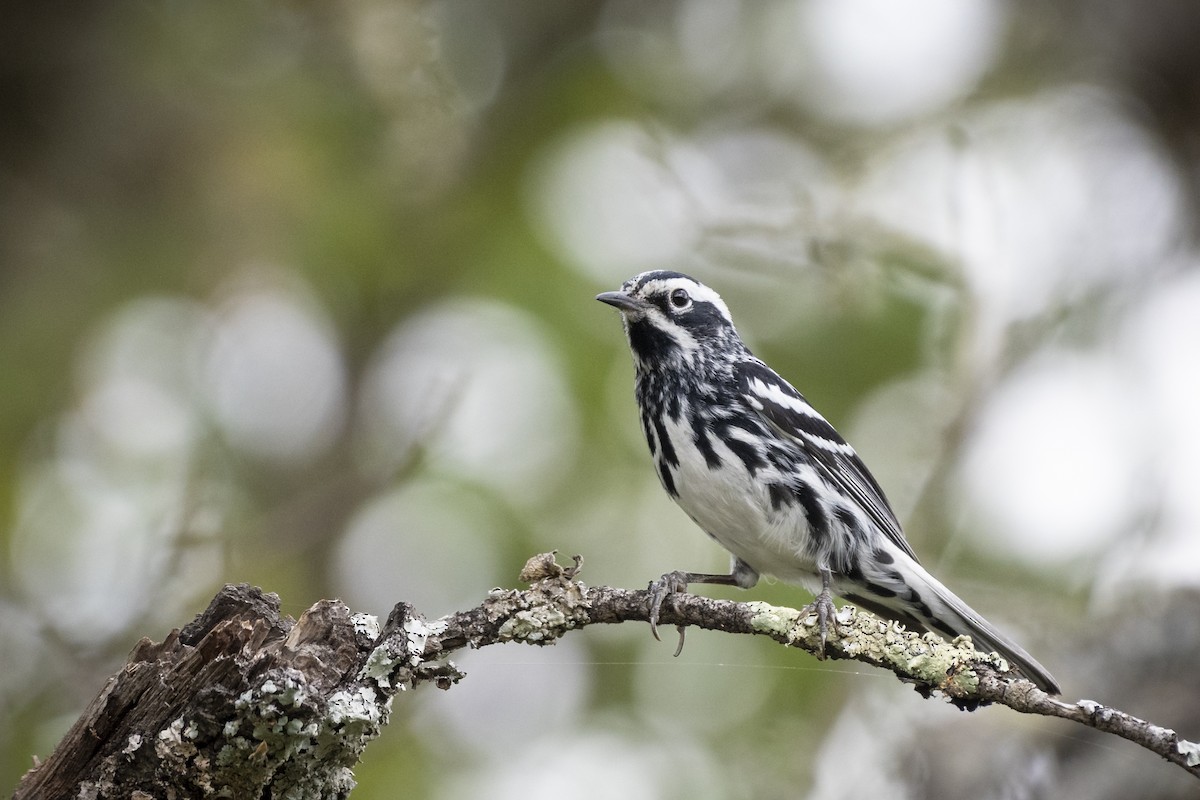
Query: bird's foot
{"points": [[669, 584], [822, 605]]}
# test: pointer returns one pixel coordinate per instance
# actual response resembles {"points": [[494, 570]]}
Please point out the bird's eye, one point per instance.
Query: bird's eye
{"points": [[680, 298]]}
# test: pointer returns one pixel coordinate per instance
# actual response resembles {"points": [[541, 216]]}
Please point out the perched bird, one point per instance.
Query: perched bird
{"points": [[761, 472]]}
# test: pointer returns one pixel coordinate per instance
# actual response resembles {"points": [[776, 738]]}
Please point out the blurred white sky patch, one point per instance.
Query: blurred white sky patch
{"points": [[761, 199], [22, 642], [140, 375], [140, 417], [866, 731], [79, 539], [605, 200], [476, 385], [131, 470], [1160, 341], [872, 62], [903, 738], [429, 542], [594, 764], [1041, 200], [858, 62], [711, 666], [274, 377], [516, 693], [900, 431], [117, 488], [618, 198], [1057, 459]]}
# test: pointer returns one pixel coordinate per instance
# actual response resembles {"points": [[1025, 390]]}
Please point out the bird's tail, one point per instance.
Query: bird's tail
{"points": [[904, 591]]}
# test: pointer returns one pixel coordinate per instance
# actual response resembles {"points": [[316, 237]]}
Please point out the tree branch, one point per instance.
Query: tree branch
{"points": [[243, 702]]}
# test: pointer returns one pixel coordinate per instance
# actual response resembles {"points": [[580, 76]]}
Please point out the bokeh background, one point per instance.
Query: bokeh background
{"points": [[300, 294]]}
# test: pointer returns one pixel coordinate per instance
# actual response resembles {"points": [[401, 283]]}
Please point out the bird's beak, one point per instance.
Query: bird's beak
{"points": [[621, 301]]}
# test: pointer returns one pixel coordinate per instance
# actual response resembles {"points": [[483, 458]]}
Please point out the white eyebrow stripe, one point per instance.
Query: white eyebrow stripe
{"points": [[698, 291]]}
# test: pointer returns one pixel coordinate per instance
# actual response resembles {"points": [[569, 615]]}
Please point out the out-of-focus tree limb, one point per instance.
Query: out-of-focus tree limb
{"points": [[245, 702]]}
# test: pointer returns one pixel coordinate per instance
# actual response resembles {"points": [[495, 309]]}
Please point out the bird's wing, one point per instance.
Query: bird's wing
{"points": [[785, 409]]}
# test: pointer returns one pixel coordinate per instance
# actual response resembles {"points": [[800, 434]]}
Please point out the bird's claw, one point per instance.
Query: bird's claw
{"points": [[669, 584], [822, 605]]}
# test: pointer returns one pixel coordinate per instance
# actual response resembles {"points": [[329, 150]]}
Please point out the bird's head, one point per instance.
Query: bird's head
{"points": [[672, 318]]}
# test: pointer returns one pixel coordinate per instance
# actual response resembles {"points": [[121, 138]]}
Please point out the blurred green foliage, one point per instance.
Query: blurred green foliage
{"points": [[368, 163]]}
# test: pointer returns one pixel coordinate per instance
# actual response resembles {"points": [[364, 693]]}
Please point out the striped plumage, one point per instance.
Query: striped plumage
{"points": [[766, 476]]}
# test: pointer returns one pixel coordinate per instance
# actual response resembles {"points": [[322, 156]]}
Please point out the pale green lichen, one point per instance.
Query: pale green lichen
{"points": [[297, 727], [1190, 752], [772, 620], [384, 664], [274, 734], [173, 732], [270, 738], [366, 625], [287, 691], [418, 632], [380, 666], [536, 625], [233, 752], [542, 615], [170, 745], [357, 707], [926, 658]]}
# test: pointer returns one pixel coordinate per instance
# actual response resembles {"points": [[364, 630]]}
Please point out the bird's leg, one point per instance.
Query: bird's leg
{"points": [[677, 582], [822, 605]]}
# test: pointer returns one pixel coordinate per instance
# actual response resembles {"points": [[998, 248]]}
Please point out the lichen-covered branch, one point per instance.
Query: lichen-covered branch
{"points": [[968, 678], [245, 703]]}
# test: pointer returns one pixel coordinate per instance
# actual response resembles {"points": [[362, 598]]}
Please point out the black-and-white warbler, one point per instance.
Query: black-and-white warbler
{"points": [[759, 470]]}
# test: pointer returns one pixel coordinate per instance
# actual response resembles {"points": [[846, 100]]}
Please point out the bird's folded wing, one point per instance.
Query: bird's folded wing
{"points": [[786, 410]]}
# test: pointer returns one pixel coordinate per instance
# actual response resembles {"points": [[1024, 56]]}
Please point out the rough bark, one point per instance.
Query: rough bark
{"points": [[244, 702]]}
